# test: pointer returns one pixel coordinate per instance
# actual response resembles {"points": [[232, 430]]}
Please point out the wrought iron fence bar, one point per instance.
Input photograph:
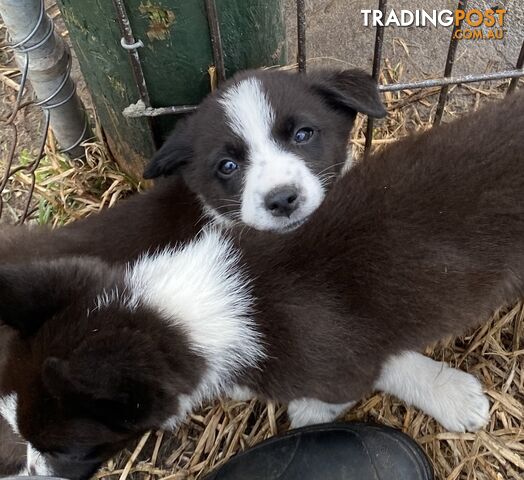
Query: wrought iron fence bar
{"points": [[130, 44], [450, 60], [520, 65], [375, 72], [301, 35], [439, 82], [141, 111], [216, 40]]}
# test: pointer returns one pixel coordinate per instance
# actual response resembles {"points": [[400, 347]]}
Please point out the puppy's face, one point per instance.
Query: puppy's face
{"points": [[265, 147], [81, 378]]}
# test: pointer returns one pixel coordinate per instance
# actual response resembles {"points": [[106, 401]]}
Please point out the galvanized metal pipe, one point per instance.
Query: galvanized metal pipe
{"points": [[43, 54]]}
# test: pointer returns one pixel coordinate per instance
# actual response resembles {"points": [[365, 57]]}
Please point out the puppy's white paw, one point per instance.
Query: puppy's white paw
{"points": [[309, 411], [458, 402], [453, 397]]}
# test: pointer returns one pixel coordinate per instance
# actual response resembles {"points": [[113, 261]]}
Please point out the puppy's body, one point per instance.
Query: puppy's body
{"points": [[168, 214], [420, 241], [428, 240]]}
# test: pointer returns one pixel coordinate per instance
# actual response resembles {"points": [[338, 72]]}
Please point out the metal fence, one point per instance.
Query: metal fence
{"points": [[131, 44]]}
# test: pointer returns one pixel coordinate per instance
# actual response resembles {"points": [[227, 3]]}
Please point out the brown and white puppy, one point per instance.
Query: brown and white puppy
{"points": [[265, 147], [419, 242], [170, 214]]}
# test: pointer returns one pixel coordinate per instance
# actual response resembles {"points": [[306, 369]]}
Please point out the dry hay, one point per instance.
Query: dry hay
{"points": [[494, 352], [65, 189]]}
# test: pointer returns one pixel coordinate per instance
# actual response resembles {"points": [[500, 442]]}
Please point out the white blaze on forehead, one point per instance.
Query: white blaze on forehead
{"points": [[8, 406], [249, 112], [251, 117]]}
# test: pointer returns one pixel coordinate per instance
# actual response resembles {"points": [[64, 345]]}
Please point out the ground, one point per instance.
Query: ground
{"points": [[67, 190]]}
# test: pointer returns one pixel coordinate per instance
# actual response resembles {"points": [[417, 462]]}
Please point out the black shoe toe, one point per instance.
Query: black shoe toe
{"points": [[340, 451]]}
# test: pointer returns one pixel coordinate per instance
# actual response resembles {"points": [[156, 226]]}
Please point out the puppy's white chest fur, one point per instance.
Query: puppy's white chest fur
{"points": [[201, 288]]}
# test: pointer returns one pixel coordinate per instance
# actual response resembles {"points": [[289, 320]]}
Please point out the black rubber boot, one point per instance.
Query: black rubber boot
{"points": [[335, 451]]}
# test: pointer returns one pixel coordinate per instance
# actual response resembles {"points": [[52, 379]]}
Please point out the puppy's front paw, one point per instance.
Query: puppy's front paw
{"points": [[459, 403]]}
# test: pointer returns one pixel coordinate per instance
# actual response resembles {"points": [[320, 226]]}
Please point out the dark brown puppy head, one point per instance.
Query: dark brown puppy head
{"points": [[265, 147], [82, 376]]}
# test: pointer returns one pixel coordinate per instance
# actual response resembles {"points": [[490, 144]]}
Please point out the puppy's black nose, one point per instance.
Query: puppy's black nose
{"points": [[282, 202]]}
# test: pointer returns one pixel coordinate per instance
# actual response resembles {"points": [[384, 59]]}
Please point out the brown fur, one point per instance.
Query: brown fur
{"points": [[167, 214]]}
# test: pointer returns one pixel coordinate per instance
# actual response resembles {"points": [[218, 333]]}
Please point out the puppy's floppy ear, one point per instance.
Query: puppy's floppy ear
{"points": [[349, 90], [176, 152], [27, 297], [30, 294]]}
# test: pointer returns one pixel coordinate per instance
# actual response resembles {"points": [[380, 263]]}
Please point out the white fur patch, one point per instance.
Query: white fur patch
{"points": [[241, 394], [8, 405], [36, 463], [201, 288], [310, 411], [454, 398], [270, 167]]}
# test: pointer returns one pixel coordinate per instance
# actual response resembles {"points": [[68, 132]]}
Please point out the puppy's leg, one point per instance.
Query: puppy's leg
{"points": [[454, 398], [309, 411]]}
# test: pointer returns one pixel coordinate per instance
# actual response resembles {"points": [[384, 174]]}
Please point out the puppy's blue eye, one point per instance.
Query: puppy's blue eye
{"points": [[303, 135], [227, 167]]}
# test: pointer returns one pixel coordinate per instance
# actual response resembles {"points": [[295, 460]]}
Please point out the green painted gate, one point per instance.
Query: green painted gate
{"points": [[175, 59]]}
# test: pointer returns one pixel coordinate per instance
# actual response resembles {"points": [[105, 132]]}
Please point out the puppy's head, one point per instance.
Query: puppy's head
{"points": [[85, 374], [264, 148]]}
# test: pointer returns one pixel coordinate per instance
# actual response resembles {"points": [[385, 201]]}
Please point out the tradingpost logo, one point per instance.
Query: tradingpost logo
{"points": [[472, 24]]}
